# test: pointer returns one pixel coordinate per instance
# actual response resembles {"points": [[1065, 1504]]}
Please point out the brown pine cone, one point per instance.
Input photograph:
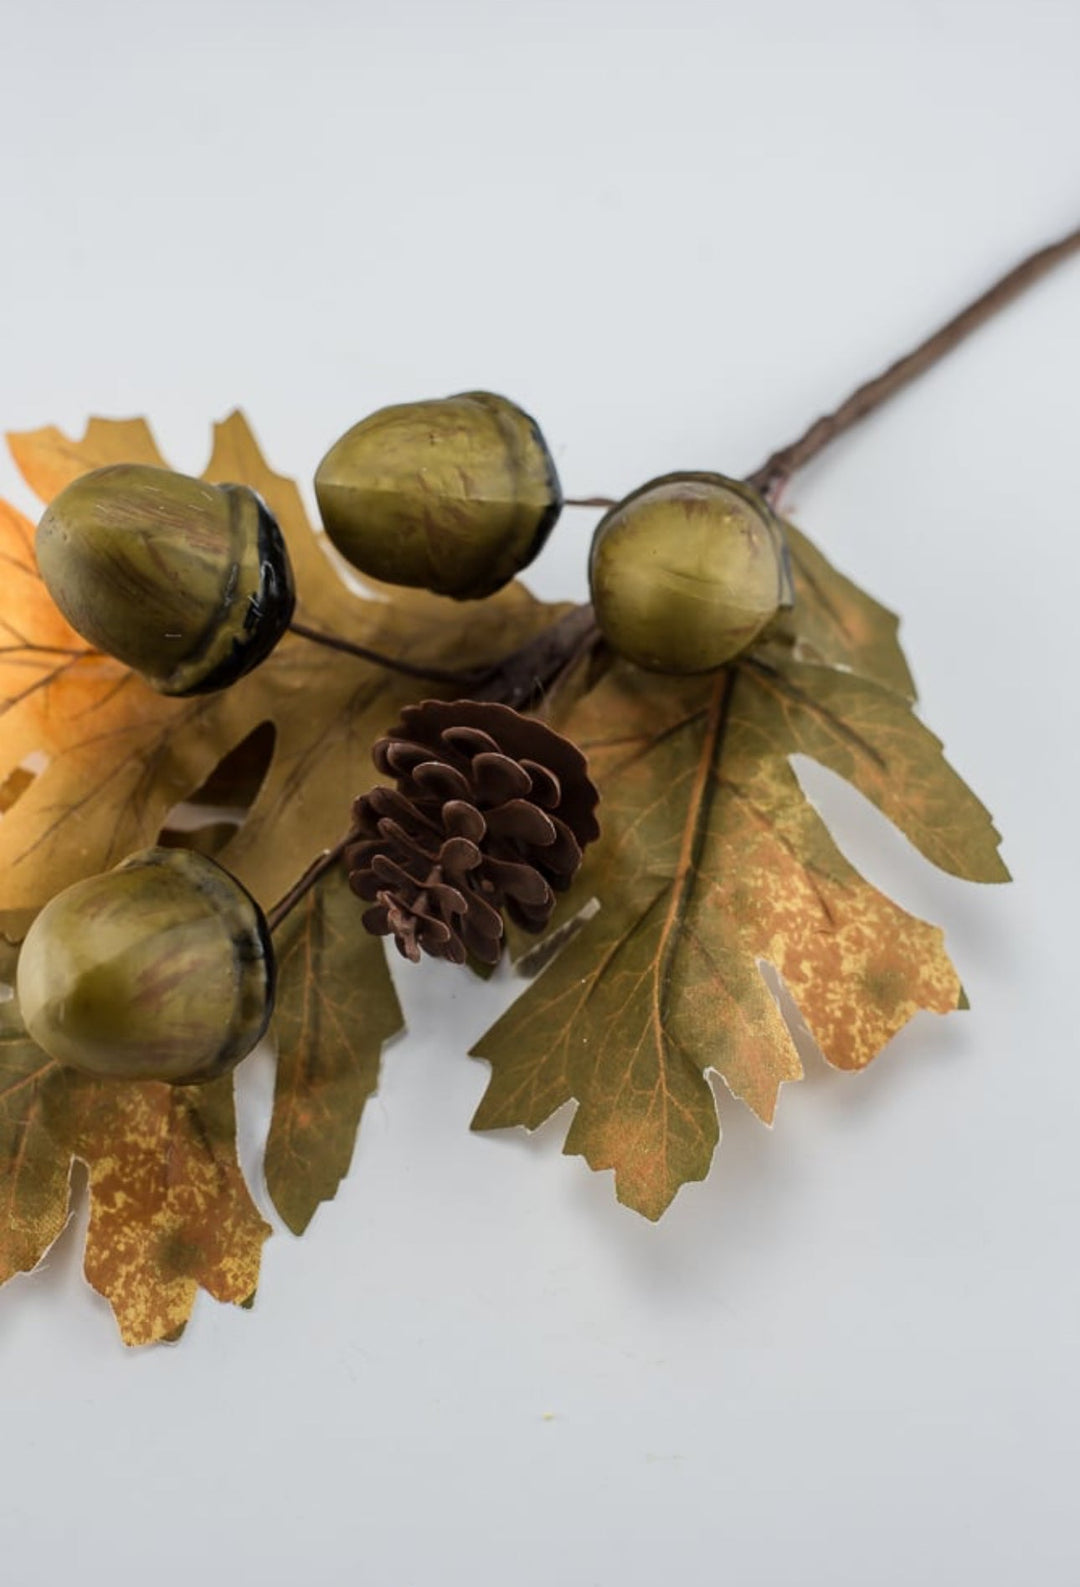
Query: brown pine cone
{"points": [[490, 812]]}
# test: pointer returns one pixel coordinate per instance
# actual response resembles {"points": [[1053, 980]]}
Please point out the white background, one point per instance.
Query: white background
{"points": [[674, 232]]}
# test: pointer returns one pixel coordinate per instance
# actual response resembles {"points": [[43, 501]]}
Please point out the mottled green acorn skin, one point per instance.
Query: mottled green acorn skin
{"points": [[186, 582], [455, 495], [687, 572], [161, 969]]}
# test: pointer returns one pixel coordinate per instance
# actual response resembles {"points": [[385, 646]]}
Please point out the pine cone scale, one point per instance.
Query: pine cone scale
{"points": [[546, 788], [520, 822], [498, 778], [464, 820], [523, 883], [564, 855], [441, 781]]}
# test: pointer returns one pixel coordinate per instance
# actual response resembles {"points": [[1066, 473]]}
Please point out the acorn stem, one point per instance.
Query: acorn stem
{"points": [[777, 469], [529, 671], [589, 501], [408, 669], [316, 870]]}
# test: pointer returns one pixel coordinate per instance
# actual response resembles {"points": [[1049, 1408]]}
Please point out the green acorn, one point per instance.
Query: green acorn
{"points": [[187, 583], [454, 496], [687, 572], [161, 969]]}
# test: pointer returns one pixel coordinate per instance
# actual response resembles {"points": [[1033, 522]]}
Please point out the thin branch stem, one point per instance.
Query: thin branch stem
{"points": [[527, 672], [318, 868], [395, 663], [778, 468], [589, 501]]}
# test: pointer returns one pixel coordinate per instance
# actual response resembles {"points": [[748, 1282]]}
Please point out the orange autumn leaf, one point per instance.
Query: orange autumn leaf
{"points": [[93, 763], [169, 1210]]}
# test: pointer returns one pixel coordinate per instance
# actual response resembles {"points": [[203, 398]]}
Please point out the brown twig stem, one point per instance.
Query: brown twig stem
{"points": [[319, 866], [526, 672], [409, 669], [589, 501], [782, 464]]}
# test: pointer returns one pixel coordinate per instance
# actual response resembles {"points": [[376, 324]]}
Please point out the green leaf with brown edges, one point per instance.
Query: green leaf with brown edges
{"points": [[839, 624], [871, 737], [712, 862], [336, 1008]]}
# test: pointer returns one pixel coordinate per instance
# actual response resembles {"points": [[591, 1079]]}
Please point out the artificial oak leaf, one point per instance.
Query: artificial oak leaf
{"points": [[839, 624], [336, 1007], [121, 757], [111, 755], [35, 1173], [94, 764], [169, 1209], [870, 736], [35, 1170], [48, 460], [714, 862], [834, 622]]}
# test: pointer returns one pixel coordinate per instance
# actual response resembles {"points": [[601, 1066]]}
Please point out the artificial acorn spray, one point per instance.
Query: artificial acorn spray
{"points": [[713, 862]]}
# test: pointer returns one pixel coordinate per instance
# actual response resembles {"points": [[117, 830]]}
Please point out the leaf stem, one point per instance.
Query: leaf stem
{"points": [[409, 669], [779, 467], [316, 870], [526, 672]]}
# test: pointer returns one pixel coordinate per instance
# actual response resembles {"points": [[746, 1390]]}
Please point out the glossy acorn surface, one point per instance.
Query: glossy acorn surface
{"points": [[455, 495], [187, 583], [687, 572], [161, 969]]}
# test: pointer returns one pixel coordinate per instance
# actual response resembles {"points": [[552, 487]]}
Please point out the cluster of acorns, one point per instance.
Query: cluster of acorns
{"points": [[163, 968]]}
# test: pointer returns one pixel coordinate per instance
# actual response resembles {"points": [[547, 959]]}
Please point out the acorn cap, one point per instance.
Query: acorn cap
{"points": [[161, 969], [687, 572], [455, 495], [187, 583]]}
